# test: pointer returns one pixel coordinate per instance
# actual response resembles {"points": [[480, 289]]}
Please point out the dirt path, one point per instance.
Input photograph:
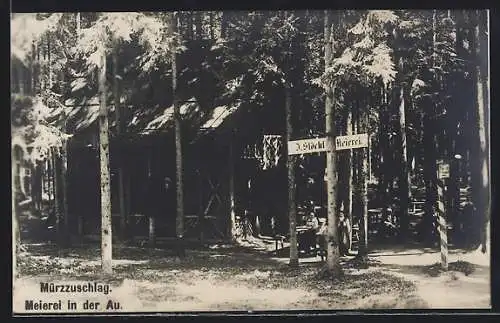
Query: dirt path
{"points": [[228, 278], [452, 289]]}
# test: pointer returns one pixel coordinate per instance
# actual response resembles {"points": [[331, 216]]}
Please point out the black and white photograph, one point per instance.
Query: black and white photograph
{"points": [[250, 161]]}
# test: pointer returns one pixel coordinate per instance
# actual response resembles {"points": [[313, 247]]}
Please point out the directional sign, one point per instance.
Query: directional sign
{"points": [[307, 146], [443, 171], [351, 142]]}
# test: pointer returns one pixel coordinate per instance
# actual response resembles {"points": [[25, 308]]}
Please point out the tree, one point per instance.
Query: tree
{"points": [[333, 253], [98, 40], [179, 229], [106, 232], [292, 207], [480, 168], [119, 126]]}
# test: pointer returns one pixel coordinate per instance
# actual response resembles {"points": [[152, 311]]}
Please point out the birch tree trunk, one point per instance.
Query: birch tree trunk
{"points": [[121, 178], [292, 210], [232, 210], [348, 209], [333, 253], [430, 156], [404, 180], [480, 169], [106, 234], [178, 141]]}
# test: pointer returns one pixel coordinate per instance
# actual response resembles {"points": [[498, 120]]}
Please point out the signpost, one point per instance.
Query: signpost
{"points": [[314, 145], [443, 172], [443, 234]]}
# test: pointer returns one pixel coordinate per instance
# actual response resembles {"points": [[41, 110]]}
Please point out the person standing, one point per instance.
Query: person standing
{"points": [[345, 230]]}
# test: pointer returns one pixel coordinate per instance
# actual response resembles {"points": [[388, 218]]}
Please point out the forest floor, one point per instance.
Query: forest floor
{"points": [[251, 277]]}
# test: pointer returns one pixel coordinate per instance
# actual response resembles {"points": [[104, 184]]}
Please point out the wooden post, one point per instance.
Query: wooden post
{"points": [[443, 234]]}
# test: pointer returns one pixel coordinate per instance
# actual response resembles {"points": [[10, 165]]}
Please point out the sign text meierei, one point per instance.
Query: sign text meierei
{"points": [[351, 142]]}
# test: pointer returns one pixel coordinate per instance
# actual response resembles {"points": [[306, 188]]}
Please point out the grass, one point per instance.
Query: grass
{"points": [[464, 267]]}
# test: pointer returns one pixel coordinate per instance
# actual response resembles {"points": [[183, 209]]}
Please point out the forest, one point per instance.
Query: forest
{"points": [[415, 81]]}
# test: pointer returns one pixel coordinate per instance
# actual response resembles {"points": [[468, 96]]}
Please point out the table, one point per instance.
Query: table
{"points": [[306, 238]]}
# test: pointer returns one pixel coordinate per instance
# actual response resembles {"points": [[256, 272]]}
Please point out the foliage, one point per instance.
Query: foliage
{"points": [[243, 59], [368, 56]]}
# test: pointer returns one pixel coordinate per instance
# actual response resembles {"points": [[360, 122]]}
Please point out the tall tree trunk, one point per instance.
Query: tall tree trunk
{"points": [[191, 24], [292, 210], [485, 59], [121, 176], [232, 206], [430, 155], [385, 153], [223, 24], [49, 62], [20, 79], [64, 188], [16, 234], [349, 196], [178, 142], [106, 233], [151, 192], [333, 253], [363, 223], [404, 179], [57, 194], [198, 24], [37, 186], [78, 25], [480, 169], [429, 143], [212, 33], [363, 250], [33, 70], [60, 185]]}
